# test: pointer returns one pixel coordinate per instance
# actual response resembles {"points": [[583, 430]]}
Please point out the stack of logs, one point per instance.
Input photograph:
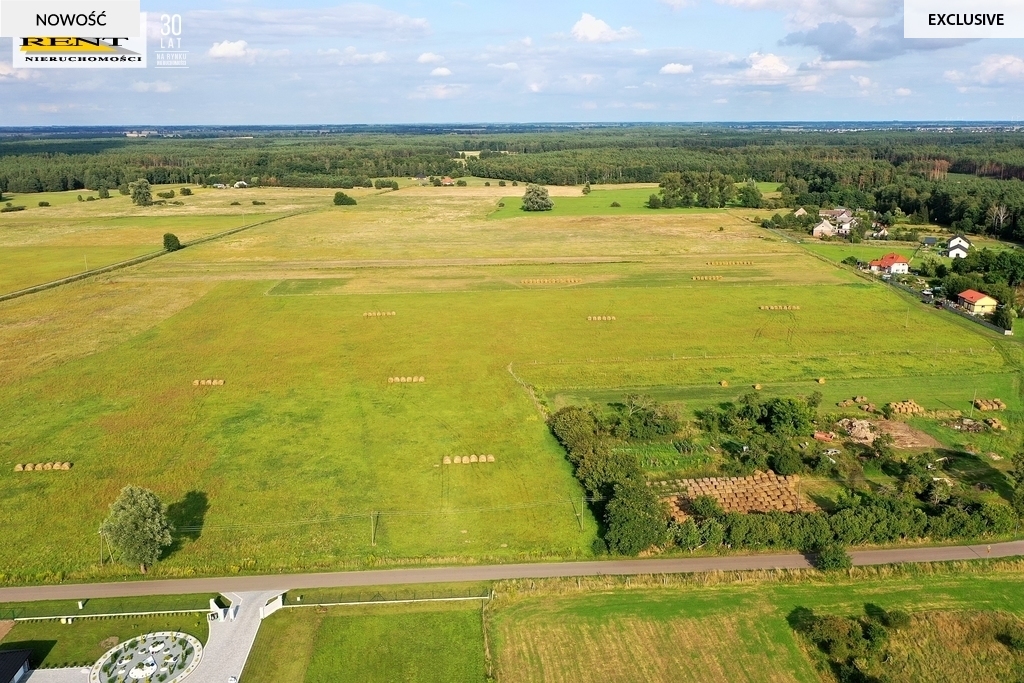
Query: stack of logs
{"points": [[762, 492]]}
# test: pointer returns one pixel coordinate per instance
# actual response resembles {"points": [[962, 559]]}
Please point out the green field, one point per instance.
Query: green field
{"points": [[308, 458], [83, 641], [62, 608], [432, 643], [597, 203]]}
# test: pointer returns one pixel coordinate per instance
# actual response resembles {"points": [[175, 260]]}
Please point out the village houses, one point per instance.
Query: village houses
{"points": [[977, 303], [891, 264]]}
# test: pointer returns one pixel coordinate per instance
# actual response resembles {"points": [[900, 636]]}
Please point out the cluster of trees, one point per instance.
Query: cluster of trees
{"points": [[633, 516], [854, 646], [710, 189], [342, 199], [536, 199]]}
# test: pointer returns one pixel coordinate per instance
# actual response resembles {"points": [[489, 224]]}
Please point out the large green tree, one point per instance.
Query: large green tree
{"points": [[142, 194], [537, 199], [635, 517], [138, 527]]}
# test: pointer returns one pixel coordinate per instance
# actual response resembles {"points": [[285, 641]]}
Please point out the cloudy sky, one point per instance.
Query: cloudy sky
{"points": [[271, 62]]}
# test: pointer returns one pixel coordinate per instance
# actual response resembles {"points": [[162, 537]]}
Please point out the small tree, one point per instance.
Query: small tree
{"points": [[832, 557], [342, 199], [750, 196], [138, 527], [123, 189], [654, 202], [171, 242], [1003, 317], [103, 192], [142, 194], [586, 188], [185, 192], [537, 199]]}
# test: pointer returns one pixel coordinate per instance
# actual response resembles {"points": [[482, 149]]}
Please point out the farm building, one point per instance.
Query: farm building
{"points": [[958, 246], [800, 213], [930, 241], [836, 213], [14, 666], [824, 229], [892, 263], [977, 303], [446, 181], [241, 184], [844, 224]]}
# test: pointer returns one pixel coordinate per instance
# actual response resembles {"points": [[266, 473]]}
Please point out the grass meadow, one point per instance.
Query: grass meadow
{"points": [[307, 458]]}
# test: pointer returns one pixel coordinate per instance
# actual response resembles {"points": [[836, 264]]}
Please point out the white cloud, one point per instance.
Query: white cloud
{"points": [[720, 100], [438, 92], [352, 56], [676, 68], [356, 19], [507, 66], [154, 86], [677, 4], [588, 79], [590, 29], [429, 58], [904, 92], [441, 71], [808, 13], [1000, 69], [238, 49], [766, 68], [862, 81], [9, 72], [833, 65], [770, 70]]}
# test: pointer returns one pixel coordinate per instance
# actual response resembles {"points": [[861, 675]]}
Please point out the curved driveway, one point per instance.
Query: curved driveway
{"points": [[390, 577]]}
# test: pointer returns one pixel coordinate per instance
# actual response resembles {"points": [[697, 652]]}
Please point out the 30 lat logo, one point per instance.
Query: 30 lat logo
{"points": [[171, 55], [115, 52]]}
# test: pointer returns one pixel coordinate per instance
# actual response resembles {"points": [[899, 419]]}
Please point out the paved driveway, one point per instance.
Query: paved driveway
{"points": [[77, 675], [230, 641]]}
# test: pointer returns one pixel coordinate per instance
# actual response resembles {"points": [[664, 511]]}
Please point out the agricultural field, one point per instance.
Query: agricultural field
{"points": [[307, 457], [665, 628]]}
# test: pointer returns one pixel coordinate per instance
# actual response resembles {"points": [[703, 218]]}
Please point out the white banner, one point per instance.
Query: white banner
{"points": [[60, 18], [82, 53], [963, 19]]}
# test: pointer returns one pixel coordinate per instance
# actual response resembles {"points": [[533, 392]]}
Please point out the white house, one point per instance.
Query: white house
{"points": [[800, 213], [844, 225], [958, 246], [836, 213], [824, 229], [892, 263]]}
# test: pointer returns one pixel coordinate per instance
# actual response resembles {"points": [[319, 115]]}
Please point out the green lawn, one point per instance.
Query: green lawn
{"points": [[426, 643], [61, 608], [597, 203], [82, 642]]}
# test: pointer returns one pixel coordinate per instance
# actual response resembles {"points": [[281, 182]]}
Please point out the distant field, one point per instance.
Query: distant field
{"points": [[598, 202], [430, 643]]}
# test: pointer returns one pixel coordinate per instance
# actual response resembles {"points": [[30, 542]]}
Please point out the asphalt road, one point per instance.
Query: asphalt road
{"points": [[390, 577]]}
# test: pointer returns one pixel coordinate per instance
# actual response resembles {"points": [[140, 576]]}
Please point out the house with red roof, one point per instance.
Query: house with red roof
{"points": [[977, 303], [447, 181], [893, 264]]}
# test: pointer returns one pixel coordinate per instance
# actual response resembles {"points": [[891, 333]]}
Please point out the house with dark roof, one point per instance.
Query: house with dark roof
{"points": [[892, 264], [836, 213], [977, 303], [958, 246], [930, 241], [14, 665]]}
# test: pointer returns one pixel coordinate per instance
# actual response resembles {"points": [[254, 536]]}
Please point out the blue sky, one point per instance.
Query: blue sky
{"points": [[526, 61]]}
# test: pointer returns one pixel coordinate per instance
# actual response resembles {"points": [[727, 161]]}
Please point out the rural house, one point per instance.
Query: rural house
{"points": [[824, 229], [800, 213], [446, 181], [977, 303], [14, 665], [844, 225], [836, 213], [931, 241], [893, 264], [958, 246]]}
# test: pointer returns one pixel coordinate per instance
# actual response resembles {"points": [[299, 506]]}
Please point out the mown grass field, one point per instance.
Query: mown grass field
{"points": [[597, 203], [431, 643], [83, 641], [308, 458]]}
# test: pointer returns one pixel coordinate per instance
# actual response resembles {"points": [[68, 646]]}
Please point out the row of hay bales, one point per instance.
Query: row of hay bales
{"points": [[405, 380], [996, 424], [730, 263], [207, 382], [761, 492], [908, 407], [856, 400], [43, 466], [600, 317], [984, 404], [379, 314], [552, 281], [779, 308], [467, 459], [707, 277]]}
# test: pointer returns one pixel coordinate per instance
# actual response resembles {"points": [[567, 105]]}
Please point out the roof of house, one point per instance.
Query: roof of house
{"points": [[958, 247], [889, 260], [825, 224], [958, 237], [973, 297], [931, 240], [11, 663]]}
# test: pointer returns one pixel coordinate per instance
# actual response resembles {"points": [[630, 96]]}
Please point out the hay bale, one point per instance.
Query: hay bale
{"points": [[195, 383], [48, 466], [724, 383], [757, 387], [65, 466], [490, 458], [447, 460], [29, 467], [458, 459], [39, 467], [19, 468], [423, 379], [821, 380], [391, 380], [473, 458]]}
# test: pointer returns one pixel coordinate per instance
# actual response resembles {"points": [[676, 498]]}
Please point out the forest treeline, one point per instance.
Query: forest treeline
{"points": [[956, 178]]}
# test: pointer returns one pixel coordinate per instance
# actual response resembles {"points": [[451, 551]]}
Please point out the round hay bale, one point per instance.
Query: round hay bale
{"points": [[48, 466], [19, 468], [195, 383], [423, 379], [490, 458], [821, 380], [39, 467], [447, 460], [757, 387], [723, 383], [473, 458], [391, 380], [65, 466], [458, 459]]}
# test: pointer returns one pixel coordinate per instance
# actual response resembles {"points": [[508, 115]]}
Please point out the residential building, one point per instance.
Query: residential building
{"points": [[836, 213], [800, 213], [447, 181], [958, 246], [892, 264], [14, 665], [824, 229], [977, 303], [241, 184], [930, 241]]}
